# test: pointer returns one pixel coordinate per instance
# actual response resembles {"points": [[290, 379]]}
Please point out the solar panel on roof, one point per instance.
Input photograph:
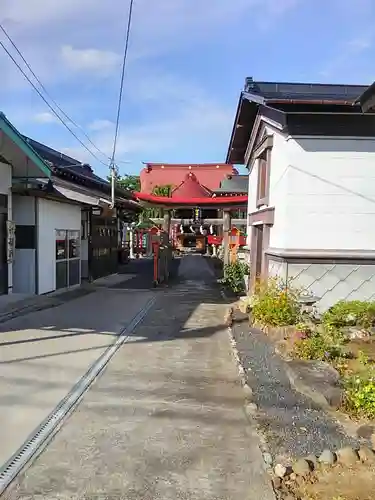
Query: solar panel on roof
{"points": [[287, 90]]}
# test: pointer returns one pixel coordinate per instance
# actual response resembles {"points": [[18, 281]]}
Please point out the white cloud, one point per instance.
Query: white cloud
{"points": [[347, 53], [98, 125], [45, 117], [158, 27], [100, 62], [190, 117], [86, 37]]}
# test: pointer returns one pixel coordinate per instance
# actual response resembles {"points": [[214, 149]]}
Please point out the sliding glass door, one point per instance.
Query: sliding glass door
{"points": [[68, 261]]}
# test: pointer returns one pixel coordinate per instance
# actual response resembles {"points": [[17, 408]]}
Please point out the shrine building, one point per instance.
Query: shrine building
{"points": [[192, 202]]}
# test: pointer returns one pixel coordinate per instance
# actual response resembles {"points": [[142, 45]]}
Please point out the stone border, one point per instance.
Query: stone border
{"points": [[287, 477]]}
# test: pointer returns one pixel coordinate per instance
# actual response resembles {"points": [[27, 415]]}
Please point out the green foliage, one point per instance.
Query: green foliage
{"points": [[360, 395], [130, 182], [350, 313], [234, 275], [274, 304], [319, 346]]}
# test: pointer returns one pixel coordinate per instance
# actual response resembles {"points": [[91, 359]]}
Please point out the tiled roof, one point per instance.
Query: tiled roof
{"points": [[209, 175], [234, 184], [63, 161]]}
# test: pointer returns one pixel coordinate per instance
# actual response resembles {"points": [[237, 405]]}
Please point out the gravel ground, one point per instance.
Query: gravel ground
{"points": [[291, 423]]}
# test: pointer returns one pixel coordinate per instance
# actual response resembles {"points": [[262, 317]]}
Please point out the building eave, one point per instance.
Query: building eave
{"points": [[153, 200], [367, 99], [10, 130]]}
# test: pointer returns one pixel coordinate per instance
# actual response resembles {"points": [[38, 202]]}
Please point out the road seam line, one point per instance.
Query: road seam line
{"points": [[43, 434]]}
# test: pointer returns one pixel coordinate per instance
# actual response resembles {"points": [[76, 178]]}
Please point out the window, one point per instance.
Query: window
{"points": [[61, 247], [73, 238], [262, 154], [262, 178]]}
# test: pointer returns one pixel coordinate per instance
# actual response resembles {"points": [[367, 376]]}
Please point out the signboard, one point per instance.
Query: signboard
{"points": [[11, 240], [234, 236], [97, 211]]}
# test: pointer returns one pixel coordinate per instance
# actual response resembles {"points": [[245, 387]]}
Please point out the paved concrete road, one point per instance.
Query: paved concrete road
{"points": [[43, 354], [165, 421]]}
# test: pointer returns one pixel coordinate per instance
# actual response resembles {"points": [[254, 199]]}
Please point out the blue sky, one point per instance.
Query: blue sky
{"points": [[188, 60]]}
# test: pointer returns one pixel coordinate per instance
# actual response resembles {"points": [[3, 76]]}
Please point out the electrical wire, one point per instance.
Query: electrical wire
{"points": [[48, 94], [126, 47], [49, 106]]}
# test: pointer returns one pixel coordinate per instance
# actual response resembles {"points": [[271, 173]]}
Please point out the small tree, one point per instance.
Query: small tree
{"points": [[130, 182]]}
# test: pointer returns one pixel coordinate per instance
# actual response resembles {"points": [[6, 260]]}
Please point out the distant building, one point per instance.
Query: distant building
{"points": [[209, 175], [56, 228], [198, 197]]}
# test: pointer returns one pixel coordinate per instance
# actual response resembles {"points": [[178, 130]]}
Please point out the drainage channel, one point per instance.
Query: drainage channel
{"points": [[42, 435]]}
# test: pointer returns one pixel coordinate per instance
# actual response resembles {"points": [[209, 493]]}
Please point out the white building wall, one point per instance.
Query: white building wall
{"points": [[323, 190], [324, 193], [24, 265], [52, 215]]}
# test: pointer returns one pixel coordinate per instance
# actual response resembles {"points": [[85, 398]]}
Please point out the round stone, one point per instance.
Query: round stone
{"points": [[301, 467], [251, 408], [327, 457], [366, 454], [277, 483], [347, 456], [365, 431], [280, 470], [373, 441], [313, 461], [248, 390], [267, 457]]}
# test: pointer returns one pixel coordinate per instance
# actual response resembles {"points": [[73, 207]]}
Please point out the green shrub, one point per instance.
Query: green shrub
{"points": [[350, 313], [276, 305], [360, 395], [318, 347], [234, 276]]}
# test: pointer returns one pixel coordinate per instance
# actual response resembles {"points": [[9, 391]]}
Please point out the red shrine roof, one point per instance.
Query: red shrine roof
{"points": [[190, 187], [209, 175], [191, 192]]}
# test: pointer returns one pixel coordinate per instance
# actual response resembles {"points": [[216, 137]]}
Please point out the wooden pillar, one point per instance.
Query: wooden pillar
{"points": [[226, 235]]}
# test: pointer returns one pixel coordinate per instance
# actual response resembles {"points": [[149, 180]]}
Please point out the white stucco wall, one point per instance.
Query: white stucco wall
{"points": [[24, 265], [323, 190], [51, 216]]}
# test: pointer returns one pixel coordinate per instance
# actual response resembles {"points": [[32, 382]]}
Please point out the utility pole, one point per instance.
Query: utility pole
{"points": [[113, 183]]}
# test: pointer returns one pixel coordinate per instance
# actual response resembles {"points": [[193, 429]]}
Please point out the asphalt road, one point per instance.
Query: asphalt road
{"points": [[165, 420]]}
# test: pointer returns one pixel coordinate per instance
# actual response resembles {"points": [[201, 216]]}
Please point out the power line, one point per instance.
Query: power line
{"points": [[49, 106], [46, 91], [126, 47]]}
